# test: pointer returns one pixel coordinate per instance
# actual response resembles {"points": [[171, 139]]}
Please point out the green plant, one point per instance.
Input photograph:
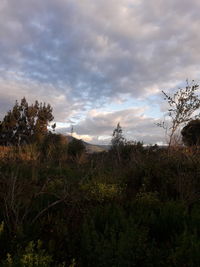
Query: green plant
{"points": [[33, 255], [76, 148], [182, 105], [25, 123], [191, 133]]}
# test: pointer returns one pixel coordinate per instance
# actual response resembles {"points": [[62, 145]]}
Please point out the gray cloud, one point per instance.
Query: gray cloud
{"points": [[135, 126], [79, 55]]}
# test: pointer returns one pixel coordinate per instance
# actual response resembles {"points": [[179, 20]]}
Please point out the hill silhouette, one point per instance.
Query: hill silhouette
{"points": [[90, 148]]}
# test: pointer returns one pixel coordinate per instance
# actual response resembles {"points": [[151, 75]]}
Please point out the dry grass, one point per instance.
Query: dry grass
{"points": [[23, 153]]}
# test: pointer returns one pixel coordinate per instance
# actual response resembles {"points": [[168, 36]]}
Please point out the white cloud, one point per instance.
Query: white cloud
{"points": [[82, 55], [86, 138], [14, 87], [98, 126]]}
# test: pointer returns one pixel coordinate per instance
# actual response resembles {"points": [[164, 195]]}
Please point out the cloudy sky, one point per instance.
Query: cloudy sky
{"points": [[98, 62]]}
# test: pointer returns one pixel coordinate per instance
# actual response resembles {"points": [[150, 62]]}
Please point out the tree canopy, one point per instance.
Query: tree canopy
{"points": [[117, 137], [25, 123], [191, 133]]}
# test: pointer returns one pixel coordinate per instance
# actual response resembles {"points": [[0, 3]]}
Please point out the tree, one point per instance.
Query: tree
{"points": [[191, 133], [118, 141], [117, 137], [25, 124], [182, 106]]}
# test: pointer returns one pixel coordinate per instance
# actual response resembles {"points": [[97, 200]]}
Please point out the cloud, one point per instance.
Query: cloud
{"points": [[14, 87], [98, 127], [83, 55]]}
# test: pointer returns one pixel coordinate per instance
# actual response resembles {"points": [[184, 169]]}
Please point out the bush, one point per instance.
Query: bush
{"points": [[54, 148], [112, 238], [33, 255], [76, 148]]}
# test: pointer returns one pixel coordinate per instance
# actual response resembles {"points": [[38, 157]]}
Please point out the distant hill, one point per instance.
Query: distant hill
{"points": [[90, 148]]}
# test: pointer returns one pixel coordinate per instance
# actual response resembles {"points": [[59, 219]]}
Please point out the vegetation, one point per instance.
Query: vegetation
{"points": [[62, 207], [182, 106], [25, 124], [76, 148], [191, 133], [117, 137]]}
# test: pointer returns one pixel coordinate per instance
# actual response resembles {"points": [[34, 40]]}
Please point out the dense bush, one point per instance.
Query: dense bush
{"points": [[76, 148], [191, 133], [141, 210], [53, 148]]}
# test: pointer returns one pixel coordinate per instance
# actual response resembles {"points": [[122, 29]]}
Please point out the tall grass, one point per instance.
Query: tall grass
{"points": [[137, 208]]}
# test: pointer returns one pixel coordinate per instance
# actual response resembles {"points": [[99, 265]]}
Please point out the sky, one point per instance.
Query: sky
{"points": [[99, 62]]}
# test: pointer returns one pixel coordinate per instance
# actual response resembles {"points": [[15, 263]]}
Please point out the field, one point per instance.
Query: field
{"points": [[132, 206]]}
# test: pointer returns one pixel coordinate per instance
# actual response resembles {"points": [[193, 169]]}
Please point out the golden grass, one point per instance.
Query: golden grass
{"points": [[23, 153]]}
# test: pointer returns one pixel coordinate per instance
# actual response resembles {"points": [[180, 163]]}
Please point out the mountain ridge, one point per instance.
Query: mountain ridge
{"points": [[90, 148]]}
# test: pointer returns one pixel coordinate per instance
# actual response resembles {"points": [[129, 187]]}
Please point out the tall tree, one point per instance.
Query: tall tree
{"points": [[182, 106], [117, 137], [118, 141], [25, 124]]}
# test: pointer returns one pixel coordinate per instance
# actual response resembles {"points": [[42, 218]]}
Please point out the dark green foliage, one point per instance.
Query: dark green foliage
{"points": [[121, 149], [25, 124], [191, 133], [146, 233], [117, 142], [112, 238], [141, 211], [130, 149], [76, 147], [32, 255], [54, 147], [117, 137], [187, 250]]}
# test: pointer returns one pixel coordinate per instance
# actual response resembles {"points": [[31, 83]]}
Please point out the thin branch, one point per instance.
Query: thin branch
{"points": [[47, 208]]}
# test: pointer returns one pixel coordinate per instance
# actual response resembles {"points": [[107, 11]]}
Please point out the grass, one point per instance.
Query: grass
{"points": [[139, 207]]}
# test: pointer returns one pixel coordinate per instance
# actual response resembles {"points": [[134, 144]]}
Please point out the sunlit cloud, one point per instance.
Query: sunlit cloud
{"points": [[82, 56]]}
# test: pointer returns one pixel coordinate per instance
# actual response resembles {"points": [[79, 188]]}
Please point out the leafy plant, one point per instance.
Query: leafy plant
{"points": [[182, 106]]}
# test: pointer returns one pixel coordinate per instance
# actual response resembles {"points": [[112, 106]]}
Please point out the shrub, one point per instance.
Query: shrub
{"points": [[76, 148], [33, 255]]}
